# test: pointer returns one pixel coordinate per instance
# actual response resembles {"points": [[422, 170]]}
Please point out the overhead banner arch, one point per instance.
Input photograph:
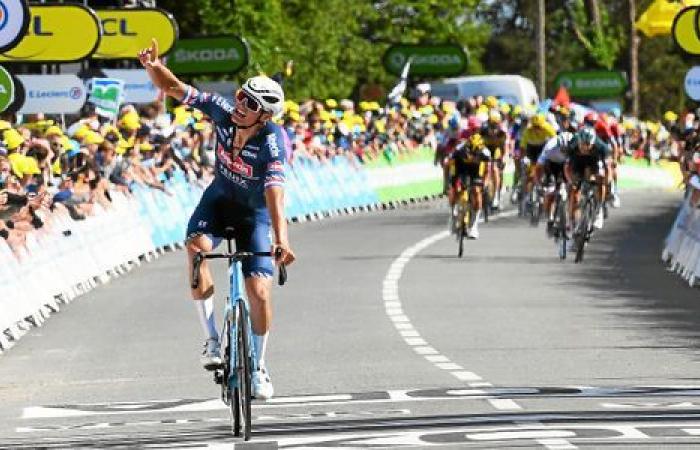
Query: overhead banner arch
{"points": [[57, 33], [127, 31]]}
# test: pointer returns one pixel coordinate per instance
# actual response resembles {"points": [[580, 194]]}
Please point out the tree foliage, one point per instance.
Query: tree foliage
{"points": [[337, 45]]}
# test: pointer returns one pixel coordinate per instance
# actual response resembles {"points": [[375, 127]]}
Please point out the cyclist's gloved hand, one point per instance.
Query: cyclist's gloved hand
{"points": [[283, 253]]}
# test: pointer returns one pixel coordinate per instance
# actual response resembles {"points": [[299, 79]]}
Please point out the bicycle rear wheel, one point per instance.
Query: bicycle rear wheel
{"points": [[584, 229], [242, 395], [461, 217], [560, 216]]}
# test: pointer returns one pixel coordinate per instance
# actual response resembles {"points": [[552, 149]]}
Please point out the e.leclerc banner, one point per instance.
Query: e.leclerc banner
{"points": [[428, 60], [216, 54], [14, 21], [592, 84], [107, 95], [57, 33], [52, 94], [127, 31]]}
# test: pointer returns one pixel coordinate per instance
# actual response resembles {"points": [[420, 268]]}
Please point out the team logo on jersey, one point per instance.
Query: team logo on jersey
{"points": [[272, 144], [236, 165], [275, 166]]}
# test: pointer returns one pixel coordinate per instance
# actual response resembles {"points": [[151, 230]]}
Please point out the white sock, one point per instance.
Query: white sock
{"points": [[205, 311], [259, 344]]}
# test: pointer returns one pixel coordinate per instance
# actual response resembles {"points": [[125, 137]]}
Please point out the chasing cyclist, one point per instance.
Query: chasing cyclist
{"points": [[247, 193], [468, 167], [495, 139], [589, 157], [550, 168]]}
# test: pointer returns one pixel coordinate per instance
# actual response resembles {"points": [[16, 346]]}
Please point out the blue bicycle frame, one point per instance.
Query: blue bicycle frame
{"points": [[237, 294]]}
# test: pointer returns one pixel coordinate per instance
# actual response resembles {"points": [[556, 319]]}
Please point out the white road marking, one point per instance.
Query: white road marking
{"points": [[556, 444], [525, 434], [395, 312]]}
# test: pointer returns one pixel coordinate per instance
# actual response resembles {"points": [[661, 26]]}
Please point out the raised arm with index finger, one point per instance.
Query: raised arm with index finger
{"points": [[160, 75]]}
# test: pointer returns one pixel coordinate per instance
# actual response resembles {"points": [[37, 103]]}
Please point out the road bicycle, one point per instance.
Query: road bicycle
{"points": [[588, 210], [238, 358], [559, 225], [462, 213]]}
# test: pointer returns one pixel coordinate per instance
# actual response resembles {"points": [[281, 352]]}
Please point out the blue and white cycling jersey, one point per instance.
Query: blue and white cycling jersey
{"points": [[260, 163]]}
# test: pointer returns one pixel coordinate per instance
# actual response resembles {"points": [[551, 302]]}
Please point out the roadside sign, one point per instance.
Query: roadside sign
{"points": [[128, 31], [14, 21], [7, 89], [107, 95], [57, 33], [592, 84], [218, 54], [427, 60], [692, 83], [138, 87], [52, 94], [685, 30]]}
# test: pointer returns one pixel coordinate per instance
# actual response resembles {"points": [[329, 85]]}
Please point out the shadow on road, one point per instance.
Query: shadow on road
{"points": [[624, 261]]}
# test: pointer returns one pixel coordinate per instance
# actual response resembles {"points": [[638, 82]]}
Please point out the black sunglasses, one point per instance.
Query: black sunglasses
{"points": [[248, 101]]}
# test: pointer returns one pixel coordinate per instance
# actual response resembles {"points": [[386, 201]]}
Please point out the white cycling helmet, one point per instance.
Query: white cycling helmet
{"points": [[267, 92]]}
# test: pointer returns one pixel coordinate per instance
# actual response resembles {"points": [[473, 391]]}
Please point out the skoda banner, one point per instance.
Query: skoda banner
{"points": [[107, 95], [592, 84], [57, 33], [52, 94], [221, 54], [138, 87], [14, 21], [441, 60], [7, 89], [128, 31]]}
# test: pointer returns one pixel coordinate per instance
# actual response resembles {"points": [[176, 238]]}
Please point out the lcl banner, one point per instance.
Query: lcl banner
{"points": [[127, 31], [52, 94], [56, 33]]}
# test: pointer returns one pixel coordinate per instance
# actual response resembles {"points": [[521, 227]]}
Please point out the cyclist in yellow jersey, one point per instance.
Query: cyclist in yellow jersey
{"points": [[468, 167], [495, 139], [537, 133]]}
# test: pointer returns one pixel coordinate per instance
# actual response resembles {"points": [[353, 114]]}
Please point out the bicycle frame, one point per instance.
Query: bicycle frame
{"points": [[237, 294]]}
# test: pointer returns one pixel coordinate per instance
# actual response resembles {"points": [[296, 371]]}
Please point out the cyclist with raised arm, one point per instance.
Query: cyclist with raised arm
{"points": [[247, 193]]}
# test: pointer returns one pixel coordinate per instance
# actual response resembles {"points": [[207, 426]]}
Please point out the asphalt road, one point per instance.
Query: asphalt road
{"points": [[384, 338]]}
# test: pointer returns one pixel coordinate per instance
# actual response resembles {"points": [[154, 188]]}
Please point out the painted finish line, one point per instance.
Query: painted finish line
{"points": [[200, 405], [550, 436]]}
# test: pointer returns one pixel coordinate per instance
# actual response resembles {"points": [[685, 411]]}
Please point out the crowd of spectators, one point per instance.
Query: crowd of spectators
{"points": [[73, 168]]}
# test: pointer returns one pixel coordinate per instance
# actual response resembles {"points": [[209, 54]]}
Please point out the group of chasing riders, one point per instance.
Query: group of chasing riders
{"points": [[548, 150]]}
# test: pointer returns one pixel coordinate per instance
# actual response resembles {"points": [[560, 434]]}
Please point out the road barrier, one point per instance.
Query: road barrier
{"points": [[67, 258], [682, 246]]}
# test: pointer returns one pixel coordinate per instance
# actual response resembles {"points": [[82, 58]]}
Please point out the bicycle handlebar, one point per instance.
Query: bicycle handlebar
{"points": [[237, 256]]}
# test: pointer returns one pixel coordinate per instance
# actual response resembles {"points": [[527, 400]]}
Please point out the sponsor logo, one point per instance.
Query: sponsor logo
{"points": [[272, 145], [4, 15], [275, 166], [234, 165], [207, 55], [248, 154], [74, 93]]}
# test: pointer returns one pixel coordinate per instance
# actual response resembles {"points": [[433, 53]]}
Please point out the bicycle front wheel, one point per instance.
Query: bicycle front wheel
{"points": [[242, 397]]}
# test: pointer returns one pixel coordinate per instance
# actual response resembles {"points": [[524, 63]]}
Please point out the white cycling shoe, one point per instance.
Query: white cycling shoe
{"points": [[473, 233], [211, 356], [616, 200], [598, 223], [262, 386]]}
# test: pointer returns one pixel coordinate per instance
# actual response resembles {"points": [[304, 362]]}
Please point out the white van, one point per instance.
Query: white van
{"points": [[514, 89]]}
